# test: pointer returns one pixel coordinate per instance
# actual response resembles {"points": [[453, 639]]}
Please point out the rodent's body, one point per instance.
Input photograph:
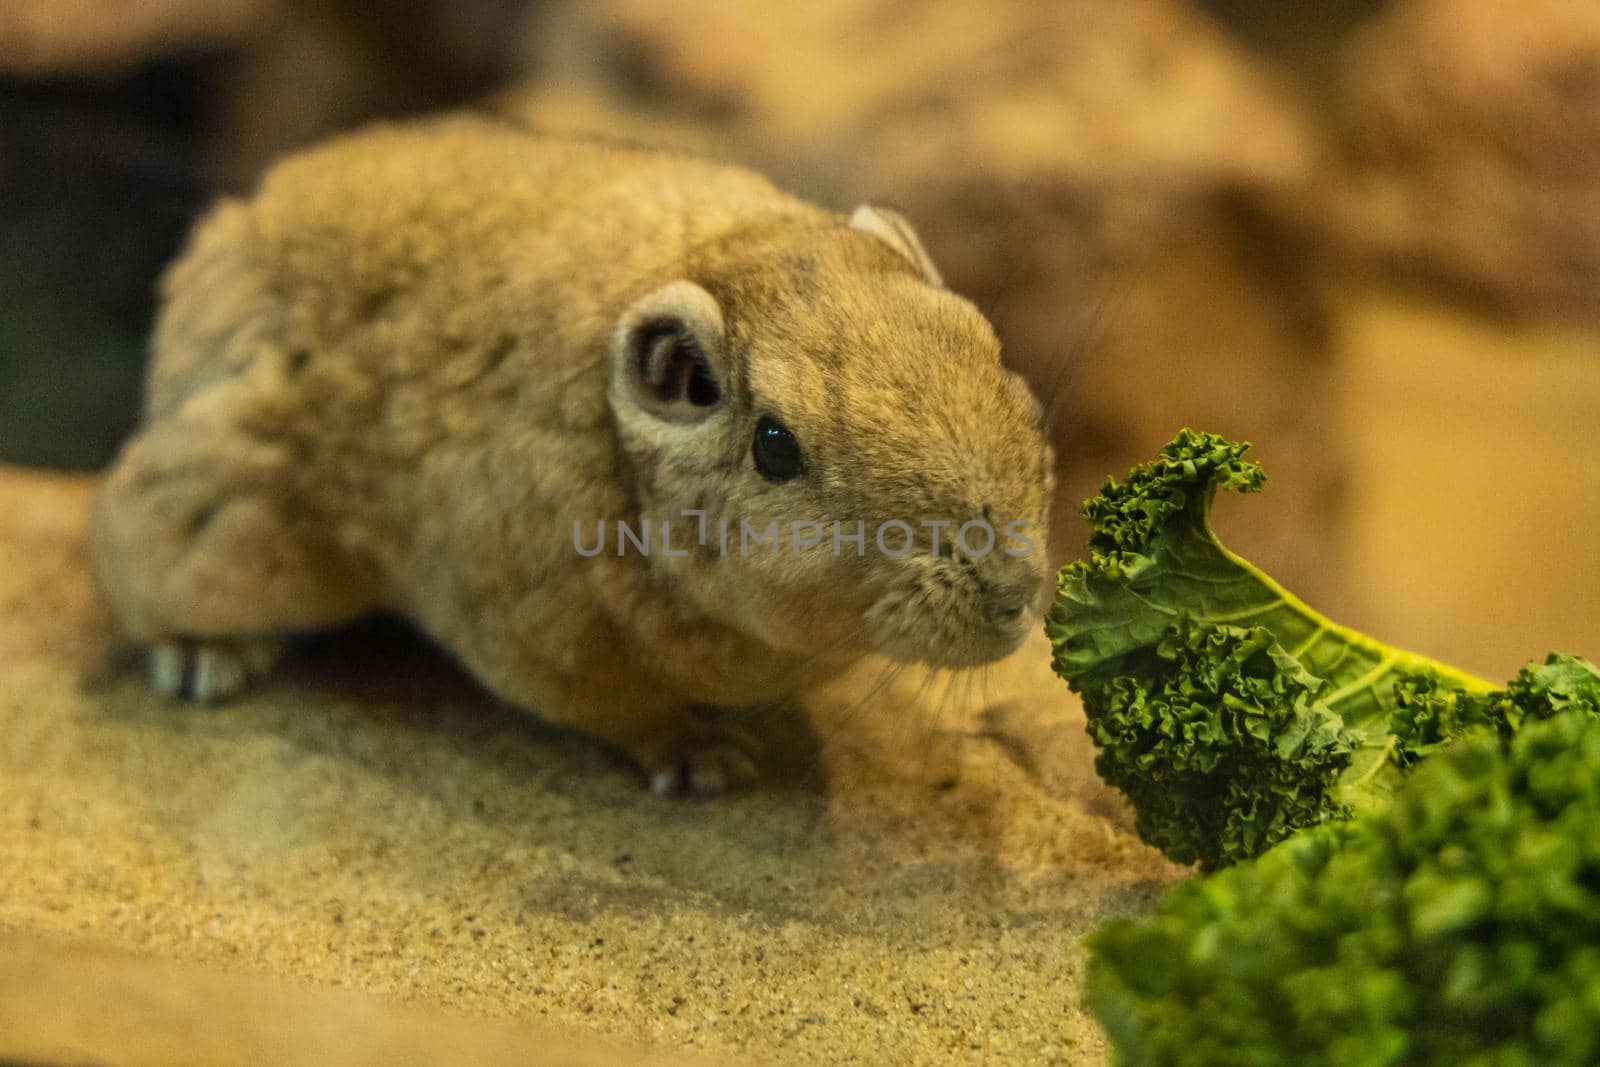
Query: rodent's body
{"points": [[389, 381]]}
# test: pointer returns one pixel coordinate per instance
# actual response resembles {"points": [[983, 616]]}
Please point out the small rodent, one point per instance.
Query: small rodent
{"points": [[418, 368]]}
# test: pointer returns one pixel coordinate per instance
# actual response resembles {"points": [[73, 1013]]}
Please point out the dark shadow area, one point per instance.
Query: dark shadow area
{"points": [[100, 180]]}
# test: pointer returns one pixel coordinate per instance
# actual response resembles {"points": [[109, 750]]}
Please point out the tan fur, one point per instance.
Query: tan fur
{"points": [[386, 382]]}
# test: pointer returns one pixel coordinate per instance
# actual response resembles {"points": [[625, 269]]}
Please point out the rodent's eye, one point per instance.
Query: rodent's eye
{"points": [[777, 453]]}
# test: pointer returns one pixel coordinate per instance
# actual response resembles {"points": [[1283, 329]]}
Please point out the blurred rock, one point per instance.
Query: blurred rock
{"points": [[1473, 149], [1087, 171], [1305, 42], [56, 37], [1074, 90], [317, 67]]}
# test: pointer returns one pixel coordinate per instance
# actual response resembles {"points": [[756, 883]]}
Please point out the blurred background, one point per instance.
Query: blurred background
{"points": [[1364, 234]]}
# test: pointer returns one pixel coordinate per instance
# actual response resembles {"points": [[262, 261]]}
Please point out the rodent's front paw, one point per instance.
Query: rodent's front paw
{"points": [[704, 760], [210, 671]]}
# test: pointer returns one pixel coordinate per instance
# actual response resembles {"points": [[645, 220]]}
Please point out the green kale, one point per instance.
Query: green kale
{"points": [[1457, 926], [1231, 713]]}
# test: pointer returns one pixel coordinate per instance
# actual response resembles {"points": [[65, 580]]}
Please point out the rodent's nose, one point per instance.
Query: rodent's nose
{"points": [[1005, 606], [1008, 612], [1011, 590]]}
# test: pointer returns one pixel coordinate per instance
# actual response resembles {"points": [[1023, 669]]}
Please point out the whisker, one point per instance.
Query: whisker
{"points": [[840, 722], [920, 706], [983, 688], [1087, 331], [850, 636]]}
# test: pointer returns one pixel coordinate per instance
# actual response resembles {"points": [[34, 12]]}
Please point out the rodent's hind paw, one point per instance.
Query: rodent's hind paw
{"points": [[702, 763], [211, 671]]}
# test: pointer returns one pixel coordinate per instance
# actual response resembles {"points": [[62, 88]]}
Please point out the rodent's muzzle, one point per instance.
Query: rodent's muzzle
{"points": [[957, 612]]}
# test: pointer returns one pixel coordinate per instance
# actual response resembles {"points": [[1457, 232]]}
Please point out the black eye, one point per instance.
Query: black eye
{"points": [[776, 452]]}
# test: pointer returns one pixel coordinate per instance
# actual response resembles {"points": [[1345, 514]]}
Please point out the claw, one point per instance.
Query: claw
{"points": [[209, 672], [718, 767], [218, 675], [168, 665]]}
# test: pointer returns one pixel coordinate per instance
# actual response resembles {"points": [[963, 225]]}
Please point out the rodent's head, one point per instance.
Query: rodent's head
{"points": [[820, 378]]}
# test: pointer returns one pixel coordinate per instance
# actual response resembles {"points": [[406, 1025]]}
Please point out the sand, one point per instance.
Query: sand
{"points": [[74, 1004], [909, 885]]}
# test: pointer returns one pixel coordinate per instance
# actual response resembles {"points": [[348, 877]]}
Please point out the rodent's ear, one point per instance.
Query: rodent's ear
{"points": [[668, 354], [895, 230]]}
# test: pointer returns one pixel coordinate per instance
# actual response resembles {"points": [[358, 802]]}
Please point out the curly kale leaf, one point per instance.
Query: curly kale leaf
{"points": [[1231, 713], [1220, 741], [1428, 715], [1460, 924]]}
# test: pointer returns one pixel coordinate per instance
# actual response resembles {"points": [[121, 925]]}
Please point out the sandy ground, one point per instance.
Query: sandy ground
{"points": [[74, 1004], [910, 885]]}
